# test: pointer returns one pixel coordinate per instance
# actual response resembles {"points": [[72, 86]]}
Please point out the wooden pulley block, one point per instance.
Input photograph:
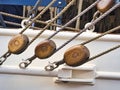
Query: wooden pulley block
{"points": [[45, 49], [18, 44], [76, 55], [105, 5]]}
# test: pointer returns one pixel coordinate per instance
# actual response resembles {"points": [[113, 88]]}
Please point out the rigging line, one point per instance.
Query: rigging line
{"points": [[72, 20], [39, 15], [101, 35], [105, 52], [38, 21], [24, 64], [93, 23], [35, 8], [12, 23], [54, 65], [112, 30], [49, 23], [17, 24], [8, 52]]}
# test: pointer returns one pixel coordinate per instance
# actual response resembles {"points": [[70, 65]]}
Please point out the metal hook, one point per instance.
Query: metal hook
{"points": [[51, 66], [4, 57], [24, 64], [96, 15], [34, 10], [91, 27], [25, 22]]}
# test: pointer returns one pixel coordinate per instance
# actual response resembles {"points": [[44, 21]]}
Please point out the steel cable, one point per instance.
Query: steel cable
{"points": [[5, 55], [93, 23], [24, 64], [33, 20]]}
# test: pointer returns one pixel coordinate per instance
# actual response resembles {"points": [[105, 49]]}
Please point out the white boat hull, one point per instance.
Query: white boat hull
{"points": [[107, 72]]}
